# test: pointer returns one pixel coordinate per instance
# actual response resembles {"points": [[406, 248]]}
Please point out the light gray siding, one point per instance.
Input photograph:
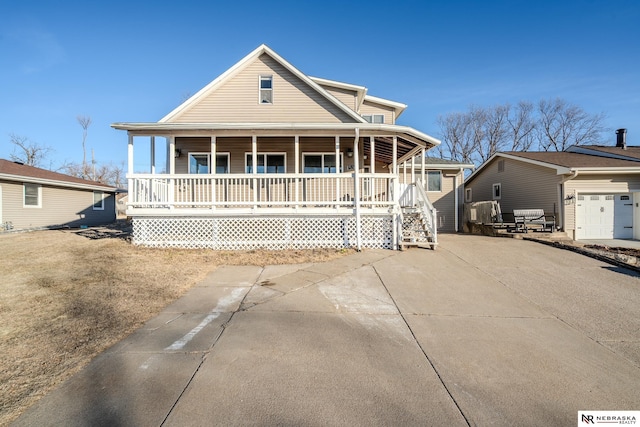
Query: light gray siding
{"points": [[59, 207], [237, 100], [523, 186]]}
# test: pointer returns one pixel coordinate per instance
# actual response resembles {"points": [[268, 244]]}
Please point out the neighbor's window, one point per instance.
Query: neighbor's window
{"points": [[468, 195], [497, 191], [267, 163], [32, 196], [266, 89], [374, 118], [319, 163], [199, 163], [98, 201], [434, 181]]}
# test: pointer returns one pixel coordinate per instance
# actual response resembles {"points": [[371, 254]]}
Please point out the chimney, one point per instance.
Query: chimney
{"points": [[621, 138]]}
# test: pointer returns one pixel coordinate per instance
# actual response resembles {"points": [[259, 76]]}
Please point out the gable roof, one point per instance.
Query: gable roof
{"points": [[12, 171], [242, 64], [631, 152], [565, 162], [439, 163]]}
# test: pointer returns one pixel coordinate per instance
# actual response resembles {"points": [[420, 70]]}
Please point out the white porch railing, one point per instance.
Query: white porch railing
{"points": [[428, 211], [261, 190]]}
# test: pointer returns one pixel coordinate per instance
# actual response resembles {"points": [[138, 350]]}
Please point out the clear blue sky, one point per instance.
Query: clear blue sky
{"points": [[133, 61]]}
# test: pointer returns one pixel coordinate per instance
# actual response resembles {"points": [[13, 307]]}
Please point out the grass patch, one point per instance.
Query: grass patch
{"points": [[64, 298]]}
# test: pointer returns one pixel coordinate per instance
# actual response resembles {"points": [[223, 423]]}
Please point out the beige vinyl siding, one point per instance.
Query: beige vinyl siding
{"points": [[445, 203], [347, 97], [237, 100], [59, 206], [595, 184], [369, 107], [237, 147], [523, 186]]}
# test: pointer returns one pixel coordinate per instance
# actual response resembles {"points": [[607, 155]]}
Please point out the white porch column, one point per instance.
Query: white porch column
{"points": [[296, 153], [372, 162], [413, 169], [424, 183], [396, 191], [254, 168], [152, 154], [212, 171], [337, 152], [130, 187], [356, 190], [372, 153], [172, 170]]}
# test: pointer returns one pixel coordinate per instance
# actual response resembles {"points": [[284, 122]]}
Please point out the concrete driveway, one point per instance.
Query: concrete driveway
{"points": [[483, 331]]}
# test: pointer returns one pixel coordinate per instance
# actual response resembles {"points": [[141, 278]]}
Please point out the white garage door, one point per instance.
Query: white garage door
{"points": [[604, 216]]}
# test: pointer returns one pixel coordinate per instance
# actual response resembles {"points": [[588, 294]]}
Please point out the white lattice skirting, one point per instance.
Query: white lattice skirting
{"points": [[271, 233]]}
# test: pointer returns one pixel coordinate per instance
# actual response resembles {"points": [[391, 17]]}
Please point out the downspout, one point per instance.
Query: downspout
{"points": [[356, 189], [561, 206]]}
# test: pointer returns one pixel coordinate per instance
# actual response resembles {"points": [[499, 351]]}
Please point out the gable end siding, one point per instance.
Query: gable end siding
{"points": [[523, 186], [236, 101], [373, 108], [60, 206]]}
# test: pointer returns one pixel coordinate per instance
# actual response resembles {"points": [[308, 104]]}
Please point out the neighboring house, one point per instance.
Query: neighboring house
{"points": [[444, 185], [593, 196], [265, 156], [31, 197]]}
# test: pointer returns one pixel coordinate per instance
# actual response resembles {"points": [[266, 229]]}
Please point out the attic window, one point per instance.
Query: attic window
{"points": [[266, 89], [374, 118]]}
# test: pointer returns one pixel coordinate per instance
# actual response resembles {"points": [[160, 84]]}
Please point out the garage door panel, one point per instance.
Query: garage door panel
{"points": [[604, 216]]}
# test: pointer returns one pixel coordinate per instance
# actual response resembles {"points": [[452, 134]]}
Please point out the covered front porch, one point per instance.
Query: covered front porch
{"points": [[311, 187]]}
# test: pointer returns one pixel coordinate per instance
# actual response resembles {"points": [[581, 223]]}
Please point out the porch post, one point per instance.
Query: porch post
{"points": [[337, 148], [130, 187], [172, 170], [356, 190], [423, 171], [212, 171], [296, 152], [372, 162], [152, 154], [413, 169], [254, 168], [396, 190]]}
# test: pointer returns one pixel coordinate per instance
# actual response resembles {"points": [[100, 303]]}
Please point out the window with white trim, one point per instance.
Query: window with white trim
{"points": [[32, 196], [199, 163], [98, 201], [374, 118], [434, 180], [266, 90], [496, 191], [468, 195], [320, 162], [267, 163]]}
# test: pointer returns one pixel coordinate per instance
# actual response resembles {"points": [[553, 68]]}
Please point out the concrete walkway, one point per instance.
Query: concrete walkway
{"points": [[482, 331]]}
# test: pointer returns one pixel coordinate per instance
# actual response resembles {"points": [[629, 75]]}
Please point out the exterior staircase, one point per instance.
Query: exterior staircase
{"points": [[419, 218], [416, 229]]}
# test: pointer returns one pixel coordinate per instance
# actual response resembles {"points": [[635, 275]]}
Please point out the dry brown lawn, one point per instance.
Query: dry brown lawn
{"points": [[65, 296]]}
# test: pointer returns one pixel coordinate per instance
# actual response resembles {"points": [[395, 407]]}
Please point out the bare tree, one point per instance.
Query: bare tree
{"points": [[482, 131], [110, 174], [521, 126], [28, 152], [85, 122], [456, 136], [561, 125]]}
